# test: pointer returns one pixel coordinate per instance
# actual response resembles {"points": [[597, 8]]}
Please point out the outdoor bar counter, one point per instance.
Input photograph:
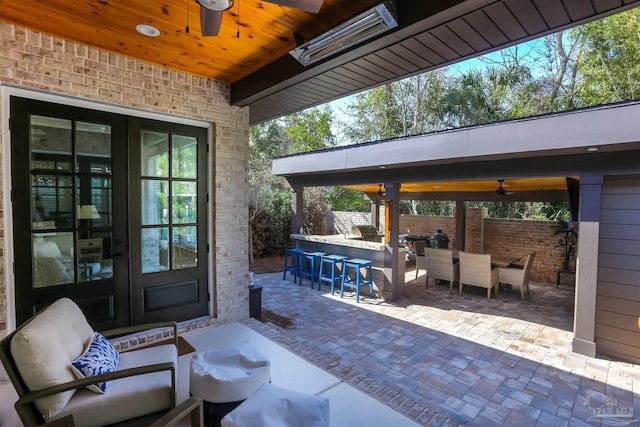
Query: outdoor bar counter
{"points": [[383, 284]]}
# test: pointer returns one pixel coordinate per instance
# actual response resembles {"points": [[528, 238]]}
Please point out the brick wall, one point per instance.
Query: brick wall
{"points": [[341, 222], [427, 225], [491, 235], [35, 60]]}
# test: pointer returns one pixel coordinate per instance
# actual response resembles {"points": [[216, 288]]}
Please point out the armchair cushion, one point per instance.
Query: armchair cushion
{"points": [[128, 397], [44, 348], [99, 358]]}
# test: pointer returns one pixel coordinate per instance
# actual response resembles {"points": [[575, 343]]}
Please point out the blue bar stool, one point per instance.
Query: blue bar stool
{"points": [[329, 270], [310, 267], [358, 280], [292, 262]]}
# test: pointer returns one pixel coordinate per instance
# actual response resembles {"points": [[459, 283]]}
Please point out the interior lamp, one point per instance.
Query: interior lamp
{"points": [[369, 24], [88, 212]]}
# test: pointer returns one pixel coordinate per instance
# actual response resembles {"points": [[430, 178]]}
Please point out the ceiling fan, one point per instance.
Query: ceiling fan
{"points": [[500, 191], [211, 11]]}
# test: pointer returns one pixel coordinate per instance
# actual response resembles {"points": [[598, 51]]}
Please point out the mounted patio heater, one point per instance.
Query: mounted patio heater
{"points": [[369, 24]]}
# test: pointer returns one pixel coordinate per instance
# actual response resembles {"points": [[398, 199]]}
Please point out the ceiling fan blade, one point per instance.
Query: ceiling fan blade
{"points": [[312, 6], [210, 21], [501, 191]]}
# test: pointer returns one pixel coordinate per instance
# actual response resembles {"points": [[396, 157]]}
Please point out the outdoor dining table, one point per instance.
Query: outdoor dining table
{"points": [[503, 261], [496, 261]]}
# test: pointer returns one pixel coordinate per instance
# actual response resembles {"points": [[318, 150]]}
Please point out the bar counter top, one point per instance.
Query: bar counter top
{"points": [[339, 239]]}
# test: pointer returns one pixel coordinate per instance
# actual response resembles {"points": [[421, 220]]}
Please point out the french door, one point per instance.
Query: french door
{"points": [[102, 216], [169, 249]]}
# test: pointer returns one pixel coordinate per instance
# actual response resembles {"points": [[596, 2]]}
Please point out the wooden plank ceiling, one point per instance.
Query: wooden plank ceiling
{"points": [[266, 30], [257, 65], [515, 185]]}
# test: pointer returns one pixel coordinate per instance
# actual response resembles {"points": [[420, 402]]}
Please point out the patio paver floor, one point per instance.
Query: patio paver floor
{"points": [[443, 359]]}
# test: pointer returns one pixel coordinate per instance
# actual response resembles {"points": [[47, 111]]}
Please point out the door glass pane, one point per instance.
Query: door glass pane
{"points": [[94, 200], [93, 147], [101, 192], [96, 254], [155, 249], [172, 201], [70, 191], [155, 154], [51, 158], [183, 157], [52, 259], [185, 247], [155, 204], [185, 202], [51, 201], [51, 144]]}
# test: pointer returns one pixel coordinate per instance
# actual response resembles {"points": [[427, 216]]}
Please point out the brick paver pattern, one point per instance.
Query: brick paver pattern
{"points": [[445, 359]]}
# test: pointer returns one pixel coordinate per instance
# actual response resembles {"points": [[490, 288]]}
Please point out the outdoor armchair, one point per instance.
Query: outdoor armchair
{"points": [[475, 270], [38, 359], [518, 276]]}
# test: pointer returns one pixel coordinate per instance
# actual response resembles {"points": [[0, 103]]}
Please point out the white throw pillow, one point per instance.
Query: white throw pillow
{"points": [[272, 406]]}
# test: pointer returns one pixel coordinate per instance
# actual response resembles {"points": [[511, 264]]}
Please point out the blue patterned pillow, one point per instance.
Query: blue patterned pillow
{"points": [[99, 358]]}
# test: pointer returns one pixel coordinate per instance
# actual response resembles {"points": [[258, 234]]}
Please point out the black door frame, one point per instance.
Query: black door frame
{"points": [[104, 302], [13, 259], [178, 294]]}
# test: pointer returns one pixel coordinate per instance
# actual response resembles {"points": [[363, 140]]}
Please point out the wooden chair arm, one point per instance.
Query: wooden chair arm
{"points": [[76, 384], [191, 407], [62, 422], [127, 330]]}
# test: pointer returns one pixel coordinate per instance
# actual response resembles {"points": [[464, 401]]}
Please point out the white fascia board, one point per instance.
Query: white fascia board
{"points": [[602, 127]]}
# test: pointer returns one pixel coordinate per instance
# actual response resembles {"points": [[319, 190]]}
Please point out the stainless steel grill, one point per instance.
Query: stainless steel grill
{"points": [[364, 232]]}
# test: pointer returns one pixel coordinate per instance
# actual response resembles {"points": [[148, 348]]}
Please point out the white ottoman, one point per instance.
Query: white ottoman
{"points": [[273, 406], [224, 378]]}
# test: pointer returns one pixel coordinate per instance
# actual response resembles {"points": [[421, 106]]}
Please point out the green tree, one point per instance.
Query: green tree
{"points": [[346, 200], [267, 192], [308, 130], [489, 95], [270, 196], [408, 107], [609, 63]]}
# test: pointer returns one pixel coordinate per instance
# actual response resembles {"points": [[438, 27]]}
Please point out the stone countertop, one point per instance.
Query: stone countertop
{"points": [[338, 239]]}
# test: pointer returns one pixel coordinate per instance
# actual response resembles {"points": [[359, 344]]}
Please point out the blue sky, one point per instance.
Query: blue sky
{"points": [[528, 52]]}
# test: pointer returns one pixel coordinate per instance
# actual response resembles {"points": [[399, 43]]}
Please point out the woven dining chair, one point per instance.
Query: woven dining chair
{"points": [[518, 276], [419, 246], [475, 270], [440, 266]]}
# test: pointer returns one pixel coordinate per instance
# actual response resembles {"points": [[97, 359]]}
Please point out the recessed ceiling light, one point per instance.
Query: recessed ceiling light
{"points": [[147, 30], [592, 149], [383, 167]]}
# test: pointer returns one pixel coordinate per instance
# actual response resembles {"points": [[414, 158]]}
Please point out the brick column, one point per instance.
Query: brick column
{"points": [[474, 231]]}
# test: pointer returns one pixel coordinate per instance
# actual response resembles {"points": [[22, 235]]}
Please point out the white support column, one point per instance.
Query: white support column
{"points": [[584, 321]]}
